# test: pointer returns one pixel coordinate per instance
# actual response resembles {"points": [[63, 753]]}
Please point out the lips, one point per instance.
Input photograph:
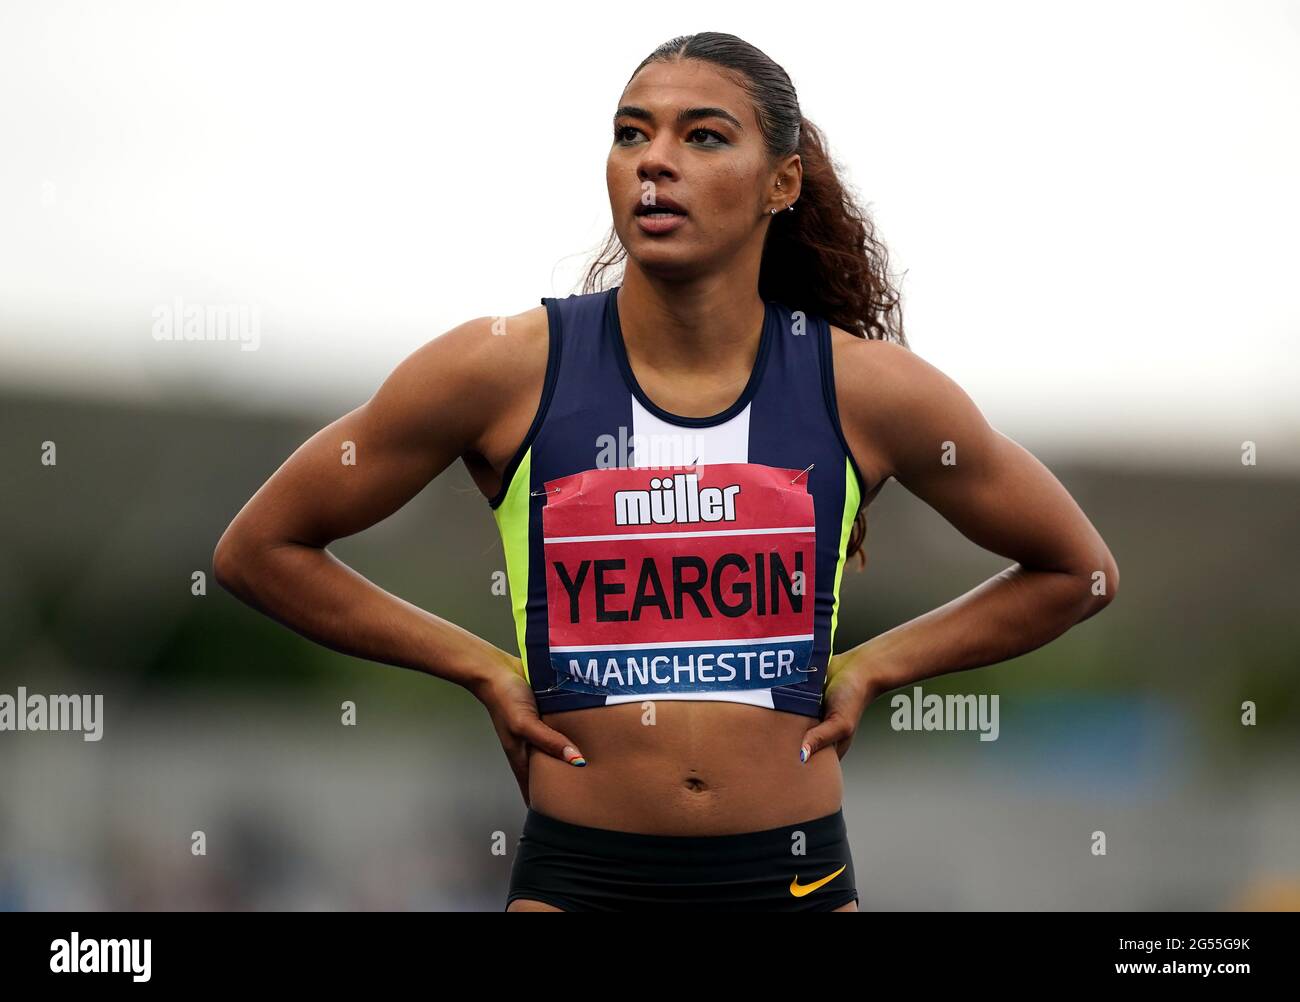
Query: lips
{"points": [[661, 203]]}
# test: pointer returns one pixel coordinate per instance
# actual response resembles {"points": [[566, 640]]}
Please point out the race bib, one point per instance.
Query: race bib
{"points": [[679, 578]]}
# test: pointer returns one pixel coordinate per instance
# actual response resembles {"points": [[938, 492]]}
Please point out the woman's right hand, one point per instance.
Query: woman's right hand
{"points": [[513, 708]]}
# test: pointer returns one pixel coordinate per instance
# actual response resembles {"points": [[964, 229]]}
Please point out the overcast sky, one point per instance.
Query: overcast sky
{"points": [[1097, 205]]}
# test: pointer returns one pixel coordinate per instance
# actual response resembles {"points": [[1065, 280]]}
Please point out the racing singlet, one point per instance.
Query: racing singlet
{"points": [[654, 556]]}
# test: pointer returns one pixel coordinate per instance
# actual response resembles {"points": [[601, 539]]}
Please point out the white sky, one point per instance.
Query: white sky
{"points": [[1097, 205]]}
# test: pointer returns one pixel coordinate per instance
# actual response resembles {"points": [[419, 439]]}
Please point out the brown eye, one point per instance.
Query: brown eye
{"points": [[709, 132]]}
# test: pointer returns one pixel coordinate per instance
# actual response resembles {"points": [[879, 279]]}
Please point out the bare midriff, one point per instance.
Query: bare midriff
{"points": [[685, 767]]}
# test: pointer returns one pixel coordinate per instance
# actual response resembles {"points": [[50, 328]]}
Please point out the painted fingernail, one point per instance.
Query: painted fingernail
{"points": [[573, 756], [804, 752]]}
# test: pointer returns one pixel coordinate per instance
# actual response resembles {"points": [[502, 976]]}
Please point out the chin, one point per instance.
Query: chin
{"points": [[653, 253], [667, 266]]}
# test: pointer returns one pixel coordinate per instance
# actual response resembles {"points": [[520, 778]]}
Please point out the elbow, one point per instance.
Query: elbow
{"points": [[229, 562], [1094, 583], [1103, 583]]}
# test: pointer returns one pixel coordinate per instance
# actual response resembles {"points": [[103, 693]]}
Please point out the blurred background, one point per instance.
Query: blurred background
{"points": [[1093, 213]]}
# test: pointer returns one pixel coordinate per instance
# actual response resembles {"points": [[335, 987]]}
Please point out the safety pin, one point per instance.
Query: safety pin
{"points": [[537, 493], [803, 471]]}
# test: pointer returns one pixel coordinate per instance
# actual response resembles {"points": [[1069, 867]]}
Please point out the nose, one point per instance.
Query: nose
{"points": [[656, 161]]}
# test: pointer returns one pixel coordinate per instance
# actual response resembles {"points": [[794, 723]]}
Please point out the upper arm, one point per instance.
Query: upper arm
{"points": [[435, 406], [929, 435]]}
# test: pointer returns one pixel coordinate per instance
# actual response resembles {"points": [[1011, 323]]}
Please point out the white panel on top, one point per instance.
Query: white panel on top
{"points": [[655, 442]]}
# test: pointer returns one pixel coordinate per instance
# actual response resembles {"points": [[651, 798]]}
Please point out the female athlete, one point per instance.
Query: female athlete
{"points": [[679, 467]]}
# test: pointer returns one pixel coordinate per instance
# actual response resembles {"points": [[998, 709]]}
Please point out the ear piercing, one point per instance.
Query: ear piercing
{"points": [[788, 206]]}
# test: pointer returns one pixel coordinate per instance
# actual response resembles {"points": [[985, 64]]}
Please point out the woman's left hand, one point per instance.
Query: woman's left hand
{"points": [[848, 691]]}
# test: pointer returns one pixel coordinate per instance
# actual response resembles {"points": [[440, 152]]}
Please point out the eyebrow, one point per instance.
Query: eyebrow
{"points": [[685, 115]]}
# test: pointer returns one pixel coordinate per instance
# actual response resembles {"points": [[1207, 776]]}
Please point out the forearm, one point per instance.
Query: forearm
{"points": [[1010, 614], [318, 596]]}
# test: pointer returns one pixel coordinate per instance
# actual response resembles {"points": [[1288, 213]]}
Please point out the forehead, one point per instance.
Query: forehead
{"points": [[665, 88]]}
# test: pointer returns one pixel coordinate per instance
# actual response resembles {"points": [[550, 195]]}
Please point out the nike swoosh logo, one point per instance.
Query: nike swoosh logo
{"points": [[799, 890]]}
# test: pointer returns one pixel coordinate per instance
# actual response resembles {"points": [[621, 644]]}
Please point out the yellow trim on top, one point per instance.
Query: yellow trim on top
{"points": [[852, 499], [512, 517]]}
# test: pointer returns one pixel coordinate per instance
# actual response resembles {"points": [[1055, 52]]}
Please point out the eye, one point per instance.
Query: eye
{"points": [[709, 132], [620, 132]]}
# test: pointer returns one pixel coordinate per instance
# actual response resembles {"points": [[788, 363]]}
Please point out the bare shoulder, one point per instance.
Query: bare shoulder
{"points": [[494, 358], [871, 371], [895, 405], [493, 353], [511, 361], [497, 365], [454, 392], [884, 391]]}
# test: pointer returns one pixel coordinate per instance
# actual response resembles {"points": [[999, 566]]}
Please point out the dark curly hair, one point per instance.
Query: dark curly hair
{"points": [[823, 258]]}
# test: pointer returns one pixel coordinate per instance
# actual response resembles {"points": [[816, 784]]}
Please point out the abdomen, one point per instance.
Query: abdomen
{"points": [[685, 767]]}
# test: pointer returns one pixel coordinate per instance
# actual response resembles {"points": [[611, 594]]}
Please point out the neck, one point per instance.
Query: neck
{"points": [[675, 328]]}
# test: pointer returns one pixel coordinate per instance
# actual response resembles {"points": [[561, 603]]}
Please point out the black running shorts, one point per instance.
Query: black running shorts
{"points": [[798, 867]]}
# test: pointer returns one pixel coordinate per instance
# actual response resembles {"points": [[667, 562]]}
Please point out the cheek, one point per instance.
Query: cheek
{"points": [[730, 199]]}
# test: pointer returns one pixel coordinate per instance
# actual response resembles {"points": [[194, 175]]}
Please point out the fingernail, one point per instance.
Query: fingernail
{"points": [[804, 752], [573, 756]]}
